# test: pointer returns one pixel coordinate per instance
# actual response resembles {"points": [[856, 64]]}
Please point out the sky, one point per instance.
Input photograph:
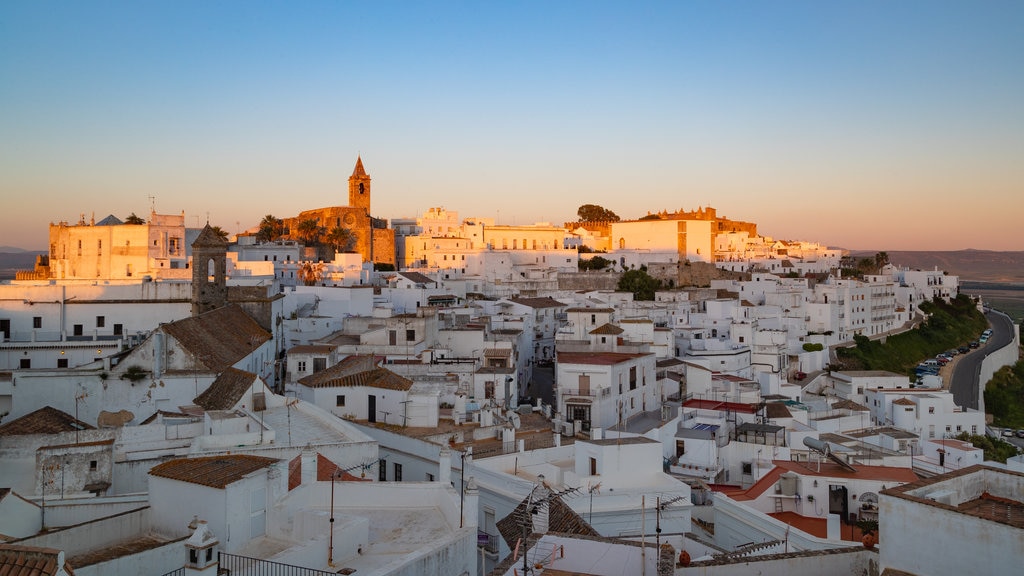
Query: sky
{"points": [[866, 125]]}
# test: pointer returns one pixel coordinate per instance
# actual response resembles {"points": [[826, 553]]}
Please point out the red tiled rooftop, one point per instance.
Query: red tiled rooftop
{"points": [[833, 470], [700, 404], [597, 358], [212, 471]]}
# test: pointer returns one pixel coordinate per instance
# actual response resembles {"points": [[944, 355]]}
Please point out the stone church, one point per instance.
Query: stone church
{"points": [[374, 241]]}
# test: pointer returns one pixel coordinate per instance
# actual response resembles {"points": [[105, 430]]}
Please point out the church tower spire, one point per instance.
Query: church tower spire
{"points": [[359, 187]]}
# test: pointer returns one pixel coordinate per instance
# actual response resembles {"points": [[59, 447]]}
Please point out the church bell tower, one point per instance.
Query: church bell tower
{"points": [[359, 187]]}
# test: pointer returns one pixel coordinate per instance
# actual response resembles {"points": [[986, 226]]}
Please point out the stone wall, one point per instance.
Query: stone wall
{"points": [[588, 281]]}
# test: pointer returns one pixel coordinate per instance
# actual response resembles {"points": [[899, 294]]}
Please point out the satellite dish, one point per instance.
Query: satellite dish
{"points": [[516, 422]]}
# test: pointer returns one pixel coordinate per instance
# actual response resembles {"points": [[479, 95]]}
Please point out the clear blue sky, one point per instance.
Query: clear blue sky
{"points": [[875, 125]]}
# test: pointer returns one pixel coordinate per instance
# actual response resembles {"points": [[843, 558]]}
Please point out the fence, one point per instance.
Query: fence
{"points": [[243, 565]]}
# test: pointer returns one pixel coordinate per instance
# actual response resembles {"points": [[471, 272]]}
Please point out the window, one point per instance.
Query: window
{"points": [[101, 321], [300, 366], [118, 329], [37, 321], [410, 335], [931, 409], [92, 464], [593, 466], [77, 330], [430, 477], [392, 337], [319, 364], [339, 400], [25, 363], [748, 468], [62, 362], [382, 470], [398, 472], [632, 378]]}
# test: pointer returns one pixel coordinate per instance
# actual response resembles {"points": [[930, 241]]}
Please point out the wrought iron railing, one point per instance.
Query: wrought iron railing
{"points": [[243, 565]]}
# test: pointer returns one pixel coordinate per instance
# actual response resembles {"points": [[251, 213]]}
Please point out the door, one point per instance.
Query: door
{"points": [[371, 408], [839, 502]]}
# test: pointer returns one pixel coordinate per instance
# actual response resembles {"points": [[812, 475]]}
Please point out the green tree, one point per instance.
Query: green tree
{"points": [[595, 213], [595, 263], [133, 219], [881, 259], [341, 239], [640, 283], [310, 232], [271, 228]]}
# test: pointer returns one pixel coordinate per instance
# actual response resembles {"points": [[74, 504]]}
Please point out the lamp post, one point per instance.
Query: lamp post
{"points": [[330, 534]]}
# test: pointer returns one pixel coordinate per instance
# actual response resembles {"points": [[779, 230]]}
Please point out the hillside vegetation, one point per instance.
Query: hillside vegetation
{"points": [[1004, 396], [949, 325]]}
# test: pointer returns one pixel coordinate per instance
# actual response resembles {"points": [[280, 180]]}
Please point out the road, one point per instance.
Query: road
{"points": [[965, 382]]}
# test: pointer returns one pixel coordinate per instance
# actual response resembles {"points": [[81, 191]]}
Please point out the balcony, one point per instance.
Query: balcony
{"points": [[488, 542]]}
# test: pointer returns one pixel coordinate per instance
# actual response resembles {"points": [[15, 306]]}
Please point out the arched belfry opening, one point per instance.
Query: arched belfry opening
{"points": [[209, 272]]}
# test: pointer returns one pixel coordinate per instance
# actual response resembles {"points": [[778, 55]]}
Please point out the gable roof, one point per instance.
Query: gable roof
{"points": [[212, 471], [46, 420], [597, 358], [226, 391], [357, 370], [609, 329], [32, 561], [545, 302], [219, 338]]}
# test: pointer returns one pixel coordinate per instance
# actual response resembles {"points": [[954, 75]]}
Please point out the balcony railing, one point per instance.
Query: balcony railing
{"points": [[488, 542], [255, 567]]}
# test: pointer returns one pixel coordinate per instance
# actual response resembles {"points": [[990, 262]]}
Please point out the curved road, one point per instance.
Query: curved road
{"points": [[965, 383]]}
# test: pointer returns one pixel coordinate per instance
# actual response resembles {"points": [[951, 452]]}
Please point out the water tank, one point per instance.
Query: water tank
{"points": [[788, 481], [818, 445]]}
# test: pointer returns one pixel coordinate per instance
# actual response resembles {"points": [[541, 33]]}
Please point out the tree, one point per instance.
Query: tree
{"points": [[341, 239], [881, 259], [133, 219], [309, 231], [639, 283], [311, 273], [222, 233], [271, 228], [595, 263], [595, 213]]}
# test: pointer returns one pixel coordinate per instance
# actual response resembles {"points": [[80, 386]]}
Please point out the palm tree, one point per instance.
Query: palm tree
{"points": [[271, 228], [310, 231], [311, 273], [220, 232], [881, 259], [341, 239]]}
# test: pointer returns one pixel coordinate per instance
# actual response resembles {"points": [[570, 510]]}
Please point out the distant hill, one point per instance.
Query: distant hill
{"points": [[14, 259], [970, 265]]}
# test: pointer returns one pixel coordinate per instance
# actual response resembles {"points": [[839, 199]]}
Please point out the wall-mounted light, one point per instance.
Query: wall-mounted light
{"points": [[815, 483], [61, 352]]}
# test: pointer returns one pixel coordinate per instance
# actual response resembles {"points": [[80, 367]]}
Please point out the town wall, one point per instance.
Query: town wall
{"points": [[588, 281]]}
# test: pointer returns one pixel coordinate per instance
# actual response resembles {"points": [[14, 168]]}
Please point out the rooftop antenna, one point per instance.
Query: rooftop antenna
{"points": [[152, 204]]}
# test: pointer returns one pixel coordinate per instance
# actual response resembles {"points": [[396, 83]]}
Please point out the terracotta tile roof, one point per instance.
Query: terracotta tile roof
{"points": [[226, 390], [545, 302], [850, 405], [311, 349], [219, 338], [610, 329], [46, 420], [903, 402], [417, 277], [777, 410], [864, 472], [212, 471], [31, 561], [357, 370], [591, 310], [326, 470], [561, 519], [597, 358]]}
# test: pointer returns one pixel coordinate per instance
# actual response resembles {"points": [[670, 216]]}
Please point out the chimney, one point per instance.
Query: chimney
{"points": [[444, 473]]}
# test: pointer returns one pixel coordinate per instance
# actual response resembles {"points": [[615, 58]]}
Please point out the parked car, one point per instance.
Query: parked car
{"points": [[1008, 432], [963, 349], [800, 375], [974, 344], [1020, 433], [987, 332]]}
